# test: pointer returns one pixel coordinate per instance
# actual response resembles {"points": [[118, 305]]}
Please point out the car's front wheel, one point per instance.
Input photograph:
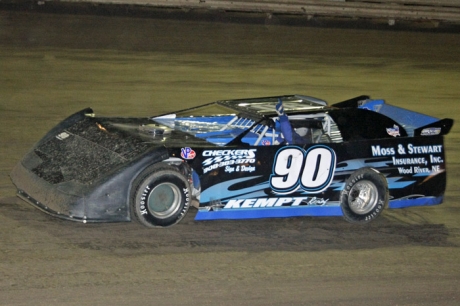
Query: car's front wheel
{"points": [[365, 196], [160, 196]]}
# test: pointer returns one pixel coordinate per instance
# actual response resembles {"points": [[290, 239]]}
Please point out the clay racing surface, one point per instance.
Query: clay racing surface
{"points": [[54, 65]]}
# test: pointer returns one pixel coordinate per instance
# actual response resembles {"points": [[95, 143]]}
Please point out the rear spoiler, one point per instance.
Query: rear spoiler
{"points": [[416, 124]]}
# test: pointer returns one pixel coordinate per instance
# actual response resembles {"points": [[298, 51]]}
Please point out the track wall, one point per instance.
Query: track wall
{"points": [[413, 10]]}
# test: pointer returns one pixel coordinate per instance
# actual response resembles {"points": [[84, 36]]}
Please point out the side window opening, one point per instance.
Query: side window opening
{"points": [[316, 128]]}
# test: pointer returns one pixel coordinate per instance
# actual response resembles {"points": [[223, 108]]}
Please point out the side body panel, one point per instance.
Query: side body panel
{"points": [[285, 181]]}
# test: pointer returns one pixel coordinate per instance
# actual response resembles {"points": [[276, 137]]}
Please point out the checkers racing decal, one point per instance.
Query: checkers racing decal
{"points": [[227, 158]]}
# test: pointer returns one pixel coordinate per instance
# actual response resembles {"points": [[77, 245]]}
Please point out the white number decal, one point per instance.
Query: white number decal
{"points": [[287, 168], [313, 169]]}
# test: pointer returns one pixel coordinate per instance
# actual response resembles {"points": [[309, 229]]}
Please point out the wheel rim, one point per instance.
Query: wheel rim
{"points": [[363, 197], [164, 200]]}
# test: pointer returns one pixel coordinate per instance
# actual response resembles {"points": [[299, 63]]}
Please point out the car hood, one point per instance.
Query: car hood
{"points": [[83, 148]]}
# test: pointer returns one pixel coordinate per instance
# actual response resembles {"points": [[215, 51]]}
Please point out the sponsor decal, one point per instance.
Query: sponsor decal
{"points": [[431, 131], [240, 168], [415, 164], [274, 202], [409, 149], [380, 151], [187, 153], [311, 170], [62, 136], [394, 131], [232, 160], [409, 161], [266, 142], [251, 153]]}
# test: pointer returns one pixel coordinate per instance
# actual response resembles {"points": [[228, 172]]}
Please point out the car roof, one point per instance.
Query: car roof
{"points": [[265, 106]]}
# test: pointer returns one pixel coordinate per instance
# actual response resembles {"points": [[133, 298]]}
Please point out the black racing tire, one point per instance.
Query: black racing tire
{"points": [[365, 196], [160, 196]]}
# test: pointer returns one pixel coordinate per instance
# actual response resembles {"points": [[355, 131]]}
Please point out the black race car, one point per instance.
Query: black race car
{"points": [[284, 156]]}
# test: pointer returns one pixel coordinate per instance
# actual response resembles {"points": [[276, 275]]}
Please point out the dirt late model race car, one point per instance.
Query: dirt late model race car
{"points": [[285, 156]]}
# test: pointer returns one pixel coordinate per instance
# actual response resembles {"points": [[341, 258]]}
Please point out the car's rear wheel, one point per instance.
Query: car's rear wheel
{"points": [[365, 196], [160, 196]]}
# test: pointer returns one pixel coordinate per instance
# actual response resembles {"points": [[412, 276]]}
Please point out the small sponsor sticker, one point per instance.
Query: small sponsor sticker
{"points": [[266, 142], [431, 131], [187, 153], [394, 131], [62, 136]]}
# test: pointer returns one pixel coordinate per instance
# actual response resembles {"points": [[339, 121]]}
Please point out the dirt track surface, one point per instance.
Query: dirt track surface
{"points": [[54, 65]]}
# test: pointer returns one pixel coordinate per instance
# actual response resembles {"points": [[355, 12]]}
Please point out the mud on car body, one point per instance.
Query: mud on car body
{"points": [[233, 159]]}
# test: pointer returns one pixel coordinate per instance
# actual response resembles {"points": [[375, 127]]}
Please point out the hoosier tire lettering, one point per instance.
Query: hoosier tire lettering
{"points": [[143, 209], [160, 196]]}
